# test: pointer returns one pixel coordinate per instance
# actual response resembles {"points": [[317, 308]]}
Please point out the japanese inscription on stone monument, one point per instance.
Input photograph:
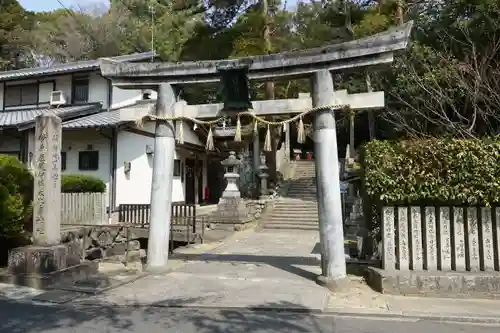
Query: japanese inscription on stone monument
{"points": [[403, 250], [445, 234], [487, 232], [388, 229], [47, 186], [473, 234], [416, 234], [459, 238], [430, 235]]}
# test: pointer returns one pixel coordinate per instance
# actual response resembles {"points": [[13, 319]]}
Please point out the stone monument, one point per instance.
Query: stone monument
{"points": [[263, 175], [47, 260], [231, 210]]}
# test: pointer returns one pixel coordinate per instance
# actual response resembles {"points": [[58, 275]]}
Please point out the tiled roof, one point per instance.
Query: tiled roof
{"points": [[69, 67], [112, 118], [20, 118]]}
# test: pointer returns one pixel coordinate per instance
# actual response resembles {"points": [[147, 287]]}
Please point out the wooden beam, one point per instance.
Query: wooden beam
{"points": [[139, 132]]}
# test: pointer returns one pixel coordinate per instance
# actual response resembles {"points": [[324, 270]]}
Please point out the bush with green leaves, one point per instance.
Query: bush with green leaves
{"points": [[16, 194], [82, 184], [433, 171]]}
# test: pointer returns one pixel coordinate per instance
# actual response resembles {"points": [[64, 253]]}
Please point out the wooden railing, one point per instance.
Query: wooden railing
{"points": [[140, 214], [83, 209], [184, 219], [441, 238]]}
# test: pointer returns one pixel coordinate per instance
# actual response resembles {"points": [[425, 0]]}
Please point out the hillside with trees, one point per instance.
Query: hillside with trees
{"points": [[446, 84]]}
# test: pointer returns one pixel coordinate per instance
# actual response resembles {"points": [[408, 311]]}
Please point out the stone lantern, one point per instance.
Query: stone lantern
{"points": [[232, 165], [263, 175], [231, 209]]}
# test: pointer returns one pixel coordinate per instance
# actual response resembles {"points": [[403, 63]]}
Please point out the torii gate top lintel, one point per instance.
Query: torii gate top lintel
{"points": [[370, 51]]}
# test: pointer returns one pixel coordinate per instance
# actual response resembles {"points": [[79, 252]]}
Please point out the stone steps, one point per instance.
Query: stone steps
{"points": [[288, 219], [313, 207], [299, 195], [295, 215], [282, 220], [289, 227], [304, 198], [299, 210]]}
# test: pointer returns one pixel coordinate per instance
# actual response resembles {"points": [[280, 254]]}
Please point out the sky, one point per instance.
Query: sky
{"points": [[47, 5]]}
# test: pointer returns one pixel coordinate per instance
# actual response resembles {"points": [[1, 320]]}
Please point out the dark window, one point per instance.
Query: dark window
{"points": [[63, 160], [80, 90], [26, 94], [88, 160], [177, 168]]}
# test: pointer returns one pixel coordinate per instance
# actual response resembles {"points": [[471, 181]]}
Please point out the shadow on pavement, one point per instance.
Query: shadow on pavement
{"points": [[18, 317], [286, 263]]}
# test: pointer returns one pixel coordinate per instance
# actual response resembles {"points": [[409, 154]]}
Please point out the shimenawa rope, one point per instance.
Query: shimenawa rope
{"points": [[301, 137]]}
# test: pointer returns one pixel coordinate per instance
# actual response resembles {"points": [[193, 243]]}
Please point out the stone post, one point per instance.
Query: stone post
{"points": [[47, 187], [47, 255], [287, 142], [328, 185], [256, 160], [263, 175], [161, 187]]}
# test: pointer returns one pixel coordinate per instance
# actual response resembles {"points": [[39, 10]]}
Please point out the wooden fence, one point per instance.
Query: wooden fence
{"points": [[185, 224], [83, 209], [441, 238]]}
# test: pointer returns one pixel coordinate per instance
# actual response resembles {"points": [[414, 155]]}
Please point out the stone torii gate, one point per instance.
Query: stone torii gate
{"points": [[316, 64]]}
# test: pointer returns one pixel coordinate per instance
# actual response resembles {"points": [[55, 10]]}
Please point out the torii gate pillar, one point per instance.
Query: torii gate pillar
{"points": [[333, 266], [161, 187]]}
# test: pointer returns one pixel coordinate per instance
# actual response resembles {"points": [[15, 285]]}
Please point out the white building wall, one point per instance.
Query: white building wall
{"points": [[63, 83], [98, 89], [134, 187], [80, 140], [74, 142]]}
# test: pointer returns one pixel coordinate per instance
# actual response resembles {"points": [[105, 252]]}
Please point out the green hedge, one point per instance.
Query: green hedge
{"points": [[437, 171], [82, 184], [16, 194]]}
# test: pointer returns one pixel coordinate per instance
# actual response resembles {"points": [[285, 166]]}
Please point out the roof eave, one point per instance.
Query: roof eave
{"points": [[31, 123]]}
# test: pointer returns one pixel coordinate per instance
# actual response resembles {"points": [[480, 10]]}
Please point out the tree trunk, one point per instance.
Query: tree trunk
{"points": [[269, 87]]}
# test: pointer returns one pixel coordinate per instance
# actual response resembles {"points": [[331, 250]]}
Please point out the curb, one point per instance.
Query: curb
{"points": [[305, 311], [256, 309], [479, 319], [460, 319]]}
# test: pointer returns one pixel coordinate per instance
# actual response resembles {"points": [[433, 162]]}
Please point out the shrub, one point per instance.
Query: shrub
{"points": [[82, 184], [16, 194], [433, 171]]}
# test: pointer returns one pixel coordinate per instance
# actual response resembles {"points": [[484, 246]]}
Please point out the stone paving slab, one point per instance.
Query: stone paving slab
{"points": [[250, 270], [216, 292]]}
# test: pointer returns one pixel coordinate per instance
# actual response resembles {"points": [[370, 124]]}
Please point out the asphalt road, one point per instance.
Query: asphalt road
{"points": [[22, 317]]}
